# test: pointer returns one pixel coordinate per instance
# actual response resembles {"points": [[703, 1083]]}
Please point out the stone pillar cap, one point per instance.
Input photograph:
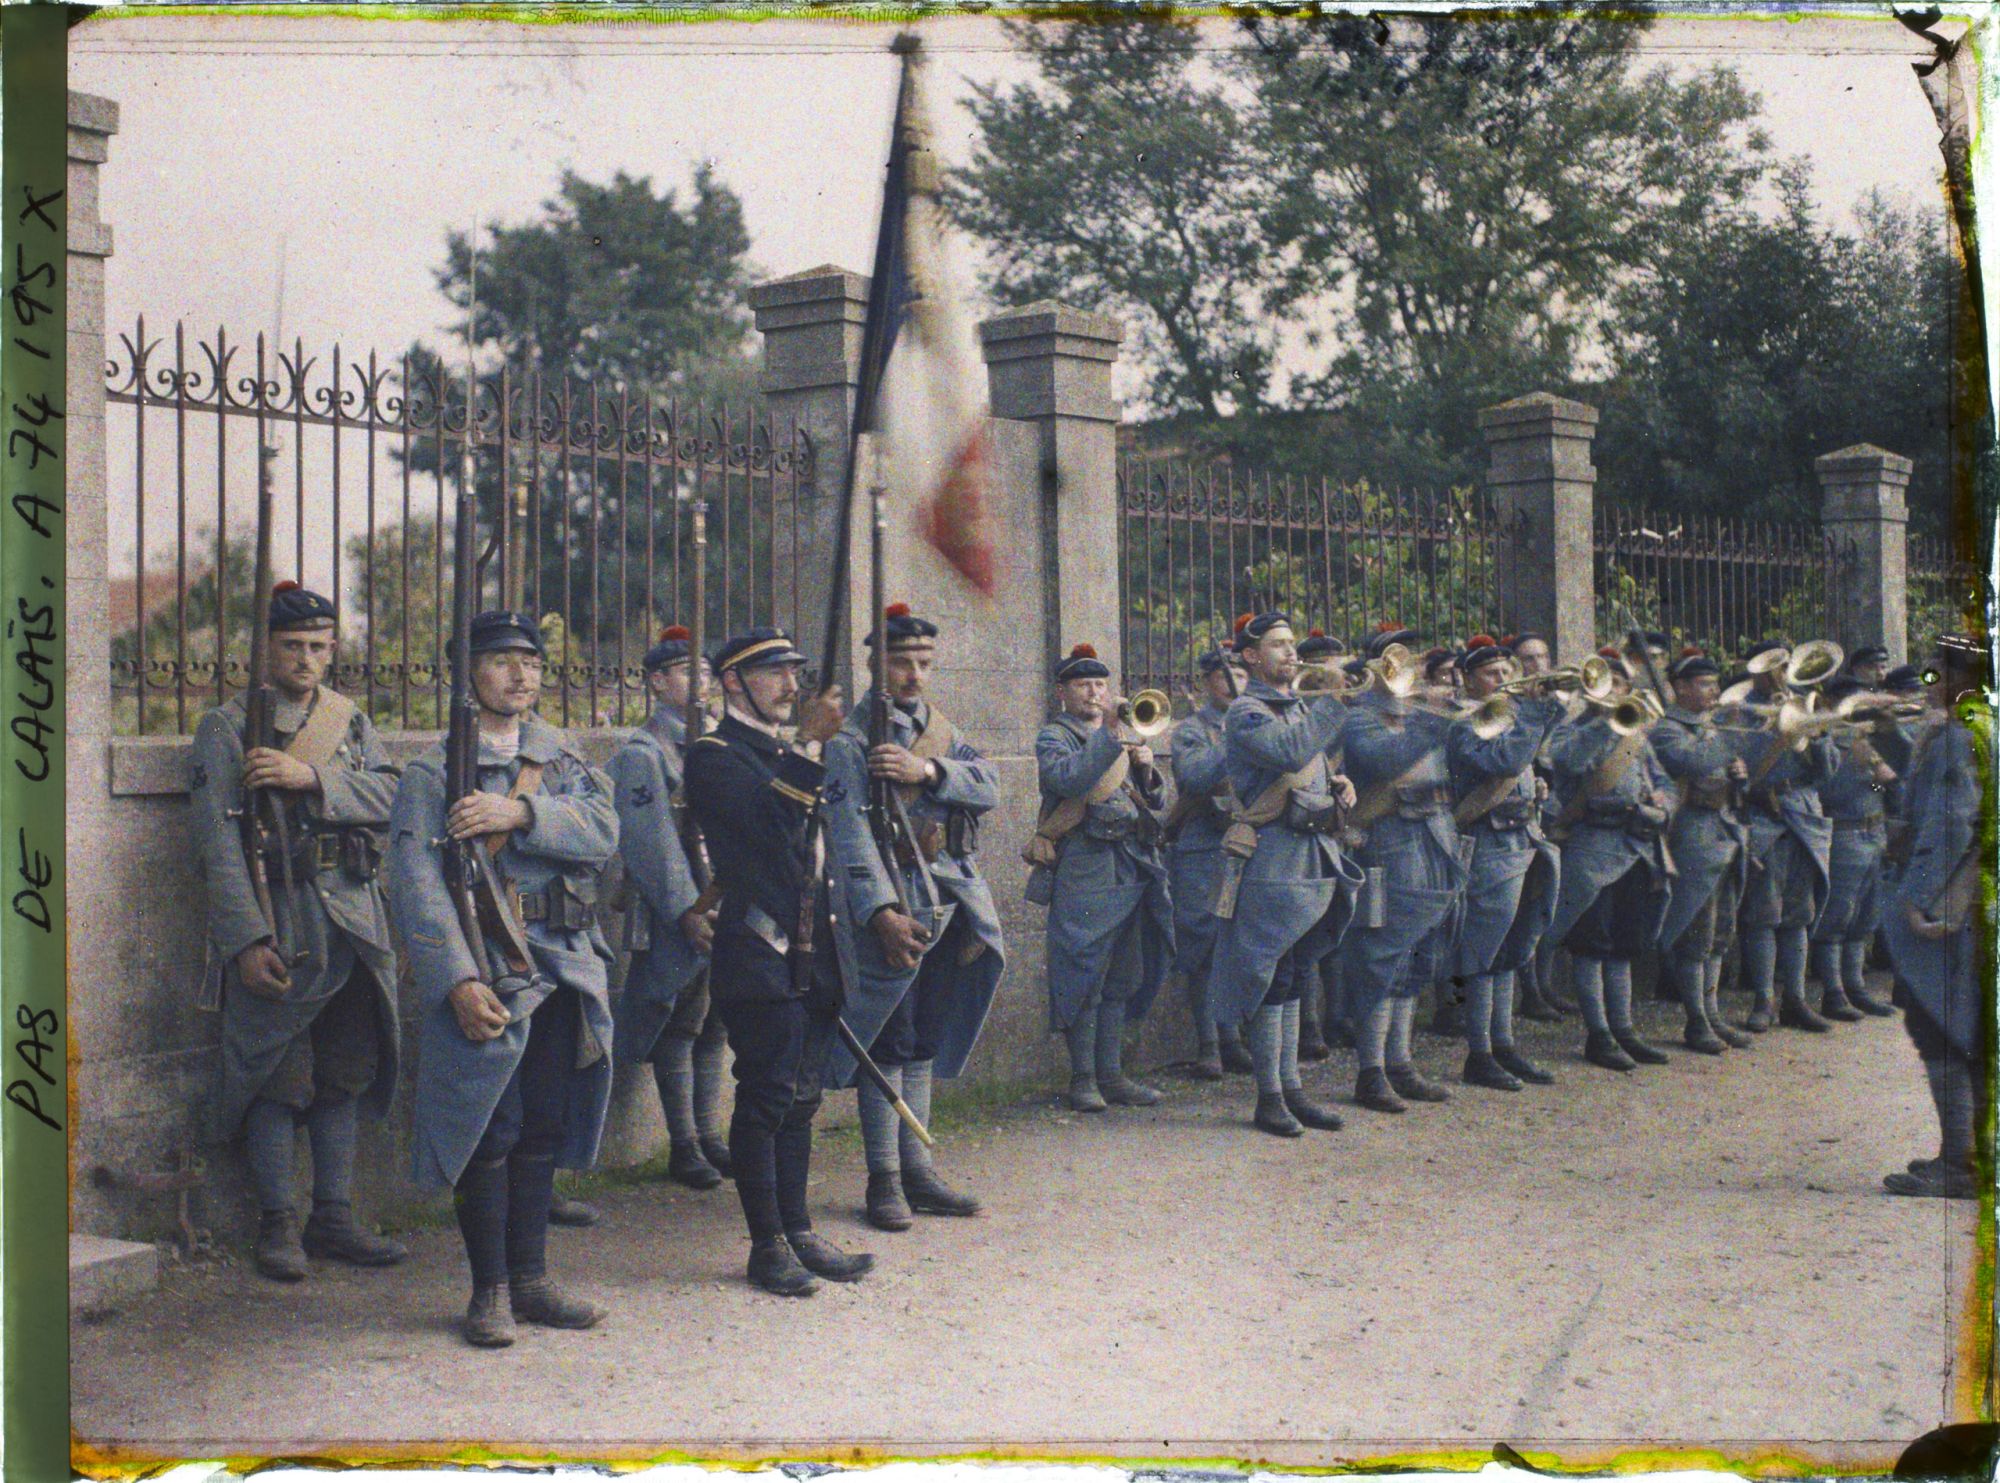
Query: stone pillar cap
{"points": [[92, 114], [1536, 407], [815, 285], [1864, 458], [1049, 318]]}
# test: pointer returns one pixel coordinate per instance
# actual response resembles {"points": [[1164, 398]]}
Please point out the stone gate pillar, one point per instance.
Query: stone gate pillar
{"points": [[1863, 511], [1544, 489]]}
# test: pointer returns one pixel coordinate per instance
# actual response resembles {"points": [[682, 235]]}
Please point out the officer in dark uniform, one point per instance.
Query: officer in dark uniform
{"points": [[773, 972], [314, 1038]]}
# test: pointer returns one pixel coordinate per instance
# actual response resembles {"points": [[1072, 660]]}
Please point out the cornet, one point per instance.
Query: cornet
{"points": [[1592, 678]]}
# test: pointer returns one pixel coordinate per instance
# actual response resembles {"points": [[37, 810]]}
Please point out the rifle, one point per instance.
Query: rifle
{"points": [[1635, 639], [888, 820], [262, 816], [691, 842], [480, 902]]}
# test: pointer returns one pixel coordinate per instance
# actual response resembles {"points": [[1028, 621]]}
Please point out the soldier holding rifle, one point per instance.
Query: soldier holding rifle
{"points": [[773, 974], [498, 836], [1286, 892], [665, 1015], [288, 808], [915, 925], [1097, 867]]}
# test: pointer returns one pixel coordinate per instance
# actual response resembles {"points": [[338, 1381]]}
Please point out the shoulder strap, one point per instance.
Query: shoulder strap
{"points": [[529, 779], [326, 727], [1378, 800], [1069, 812], [934, 741], [1482, 800], [1614, 766]]}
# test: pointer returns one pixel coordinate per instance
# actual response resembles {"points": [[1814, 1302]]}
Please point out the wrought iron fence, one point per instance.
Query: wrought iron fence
{"points": [[1719, 583], [1203, 542], [585, 497], [1945, 588]]}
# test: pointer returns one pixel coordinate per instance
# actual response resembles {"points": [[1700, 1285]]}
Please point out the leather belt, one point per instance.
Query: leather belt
{"points": [[555, 905]]}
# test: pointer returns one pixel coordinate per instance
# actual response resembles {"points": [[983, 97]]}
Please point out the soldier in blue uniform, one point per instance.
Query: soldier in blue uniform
{"points": [[1514, 873], [920, 980], [1790, 841], [1097, 868], [1939, 928], [1194, 830], [1322, 1020], [1287, 892], [1394, 755], [514, 1075], [1531, 658], [1855, 801], [1710, 845], [315, 1038], [1615, 875], [774, 973], [666, 1017]]}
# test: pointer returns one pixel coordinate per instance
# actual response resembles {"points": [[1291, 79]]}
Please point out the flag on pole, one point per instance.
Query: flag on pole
{"points": [[923, 395]]}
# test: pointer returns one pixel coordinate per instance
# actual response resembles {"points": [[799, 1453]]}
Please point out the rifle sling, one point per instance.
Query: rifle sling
{"points": [[1379, 799], [529, 779], [1069, 812]]}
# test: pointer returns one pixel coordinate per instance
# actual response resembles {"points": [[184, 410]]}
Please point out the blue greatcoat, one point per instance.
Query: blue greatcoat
{"points": [[1297, 890], [1418, 855], [645, 776], [336, 919], [1515, 873], [1104, 875], [1947, 795], [1709, 840], [966, 785], [1201, 766], [1786, 805], [1855, 805], [574, 831], [1600, 849]]}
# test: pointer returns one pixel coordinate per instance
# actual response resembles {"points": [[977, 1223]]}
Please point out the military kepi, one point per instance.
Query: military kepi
{"points": [[908, 634], [1081, 663], [499, 630], [757, 648], [294, 606], [671, 649]]}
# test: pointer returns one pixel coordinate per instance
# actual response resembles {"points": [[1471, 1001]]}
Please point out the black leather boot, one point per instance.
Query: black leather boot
{"points": [[929, 1195], [1600, 1049], [822, 1258], [1868, 1004], [563, 1211], [331, 1232], [716, 1151], [1274, 1117], [1512, 1061], [538, 1300], [686, 1164], [489, 1324], [1483, 1069], [1311, 1113], [775, 1268], [278, 1254], [1411, 1086], [1795, 1014], [1640, 1050], [1372, 1090], [888, 1210]]}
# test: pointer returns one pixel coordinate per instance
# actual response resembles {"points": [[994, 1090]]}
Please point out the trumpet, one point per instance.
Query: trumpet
{"points": [[1491, 717], [1630, 713], [1873, 706], [1395, 671], [1592, 678], [1320, 679], [1146, 715]]}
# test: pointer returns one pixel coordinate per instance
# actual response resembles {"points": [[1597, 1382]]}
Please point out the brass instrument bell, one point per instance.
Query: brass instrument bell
{"points": [[1813, 663], [1147, 714]]}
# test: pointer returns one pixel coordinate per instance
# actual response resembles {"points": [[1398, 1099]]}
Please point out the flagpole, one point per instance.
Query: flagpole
{"points": [[874, 337]]}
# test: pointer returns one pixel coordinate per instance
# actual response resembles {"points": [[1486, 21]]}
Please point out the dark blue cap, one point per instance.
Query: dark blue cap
{"points": [[503, 630], [671, 649], [1388, 634], [757, 648], [293, 606], [1654, 639], [1868, 654], [904, 629], [1251, 629], [1081, 663], [1479, 655], [1903, 679], [1317, 646], [1692, 667]]}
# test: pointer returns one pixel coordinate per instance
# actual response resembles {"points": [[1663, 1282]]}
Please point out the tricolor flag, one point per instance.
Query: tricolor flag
{"points": [[921, 388]]}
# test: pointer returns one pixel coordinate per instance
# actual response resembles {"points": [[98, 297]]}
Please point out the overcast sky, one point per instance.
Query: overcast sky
{"points": [[359, 143]]}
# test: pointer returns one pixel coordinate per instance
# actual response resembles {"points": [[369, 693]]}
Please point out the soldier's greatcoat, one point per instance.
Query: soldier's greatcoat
{"points": [[1603, 845], [335, 918], [1856, 809], [1515, 872], [1104, 875], [645, 776], [1297, 890], [1709, 841], [574, 831], [1414, 846], [967, 786], [1950, 781], [1194, 861], [1785, 813]]}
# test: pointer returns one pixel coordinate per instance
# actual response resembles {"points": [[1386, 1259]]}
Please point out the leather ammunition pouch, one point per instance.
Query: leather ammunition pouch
{"points": [[1110, 830], [558, 908], [1515, 813], [1640, 820], [1421, 800], [1314, 813], [929, 841], [361, 853], [961, 832], [354, 852]]}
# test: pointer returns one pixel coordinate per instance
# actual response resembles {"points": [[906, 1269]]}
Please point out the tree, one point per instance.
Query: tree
{"points": [[1759, 343], [1456, 202], [1117, 182]]}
